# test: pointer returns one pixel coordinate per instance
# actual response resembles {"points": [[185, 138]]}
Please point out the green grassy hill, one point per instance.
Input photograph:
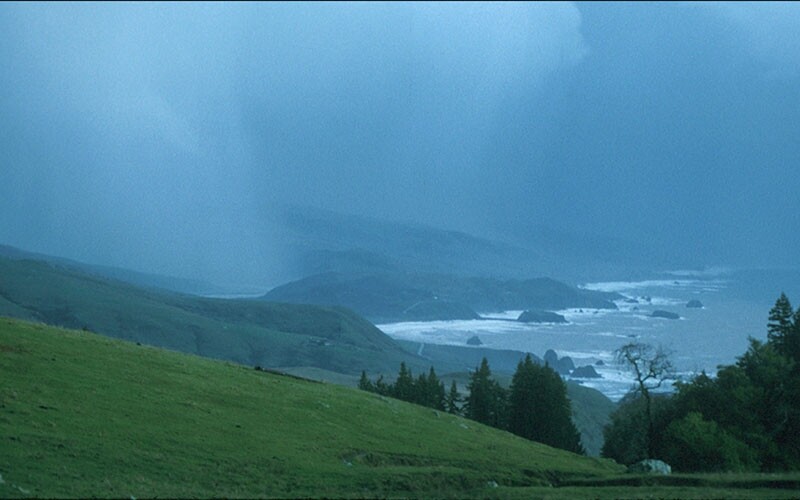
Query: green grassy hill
{"points": [[329, 343], [85, 415], [250, 332], [82, 415]]}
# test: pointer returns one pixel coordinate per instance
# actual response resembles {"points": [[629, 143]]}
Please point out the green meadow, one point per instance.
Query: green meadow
{"points": [[83, 415]]}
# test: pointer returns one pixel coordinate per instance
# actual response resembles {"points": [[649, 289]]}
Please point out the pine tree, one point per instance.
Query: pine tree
{"points": [[539, 409], [382, 387], [793, 345], [434, 391], [364, 383], [522, 403], [486, 400], [453, 399], [421, 392], [781, 326], [404, 385]]}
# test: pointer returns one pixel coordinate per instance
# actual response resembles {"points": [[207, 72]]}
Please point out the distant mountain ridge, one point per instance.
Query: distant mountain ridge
{"points": [[325, 241], [322, 241], [391, 297]]}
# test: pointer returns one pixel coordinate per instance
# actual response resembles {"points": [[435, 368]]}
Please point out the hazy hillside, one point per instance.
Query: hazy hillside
{"points": [[249, 332], [86, 415], [146, 280], [413, 297], [326, 241]]}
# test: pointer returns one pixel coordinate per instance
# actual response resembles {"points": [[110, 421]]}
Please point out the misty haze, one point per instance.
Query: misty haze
{"points": [[487, 228]]}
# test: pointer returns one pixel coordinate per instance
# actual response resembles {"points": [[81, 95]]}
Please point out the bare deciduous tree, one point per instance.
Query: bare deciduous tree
{"points": [[651, 367]]}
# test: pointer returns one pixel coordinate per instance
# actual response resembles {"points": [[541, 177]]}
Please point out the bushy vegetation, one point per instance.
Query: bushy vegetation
{"points": [[535, 407], [747, 418]]}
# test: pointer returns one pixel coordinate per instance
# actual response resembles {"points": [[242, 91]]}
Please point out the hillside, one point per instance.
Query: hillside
{"points": [[388, 297], [322, 241], [244, 331], [140, 279], [319, 342], [85, 415], [325, 241]]}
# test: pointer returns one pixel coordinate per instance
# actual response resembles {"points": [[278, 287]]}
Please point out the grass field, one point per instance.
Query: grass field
{"points": [[82, 415]]}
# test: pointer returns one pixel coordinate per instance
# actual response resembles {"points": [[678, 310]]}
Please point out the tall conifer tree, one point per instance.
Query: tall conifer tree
{"points": [[486, 401], [453, 399], [539, 409], [781, 326]]}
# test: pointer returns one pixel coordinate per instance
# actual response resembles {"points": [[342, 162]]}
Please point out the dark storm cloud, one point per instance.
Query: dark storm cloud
{"points": [[154, 135]]}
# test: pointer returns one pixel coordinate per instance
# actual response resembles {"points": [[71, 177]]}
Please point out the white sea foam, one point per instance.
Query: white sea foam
{"points": [[712, 271], [506, 315], [627, 286], [608, 334]]}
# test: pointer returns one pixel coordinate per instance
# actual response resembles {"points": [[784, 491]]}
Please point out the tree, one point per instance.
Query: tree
{"points": [[781, 328], [430, 391], [693, 444], [651, 367], [404, 385], [745, 418], [625, 437], [539, 409], [453, 399], [382, 387], [486, 400], [364, 383]]}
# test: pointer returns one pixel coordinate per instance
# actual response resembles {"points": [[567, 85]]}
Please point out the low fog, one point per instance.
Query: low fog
{"points": [[160, 137]]}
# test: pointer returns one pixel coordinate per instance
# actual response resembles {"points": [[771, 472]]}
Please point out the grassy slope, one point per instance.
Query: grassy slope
{"points": [[84, 415], [248, 332], [312, 341]]}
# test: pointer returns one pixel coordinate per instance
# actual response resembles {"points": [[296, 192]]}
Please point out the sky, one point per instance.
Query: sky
{"points": [[156, 136]]}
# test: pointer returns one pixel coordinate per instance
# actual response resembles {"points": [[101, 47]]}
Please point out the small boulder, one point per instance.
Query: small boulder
{"points": [[600, 363], [474, 340], [694, 304], [650, 466], [665, 314]]}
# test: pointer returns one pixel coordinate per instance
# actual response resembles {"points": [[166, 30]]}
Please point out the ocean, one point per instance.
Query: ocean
{"points": [[735, 307]]}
